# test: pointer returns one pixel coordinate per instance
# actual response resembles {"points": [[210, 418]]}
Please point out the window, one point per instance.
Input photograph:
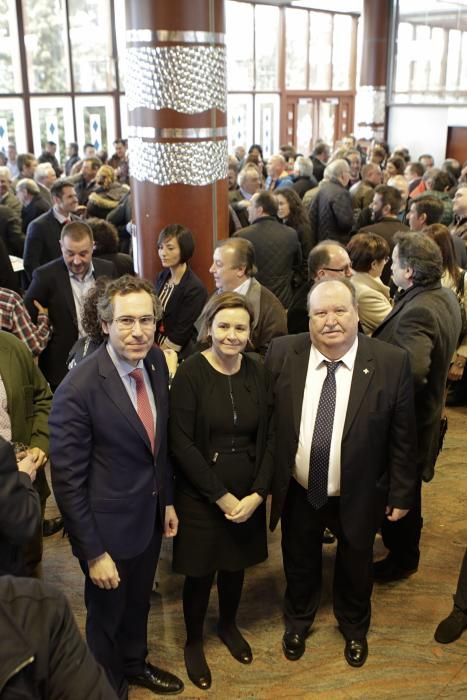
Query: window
{"points": [[296, 57], [431, 62], [10, 67], [91, 45], [46, 45]]}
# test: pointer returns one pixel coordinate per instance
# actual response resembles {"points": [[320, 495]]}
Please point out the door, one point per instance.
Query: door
{"points": [[311, 118]]}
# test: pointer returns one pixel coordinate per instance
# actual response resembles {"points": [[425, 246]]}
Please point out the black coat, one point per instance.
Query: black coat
{"points": [[51, 287], [426, 321], [277, 254], [331, 213], [37, 206], [42, 654], [20, 512], [183, 308]]}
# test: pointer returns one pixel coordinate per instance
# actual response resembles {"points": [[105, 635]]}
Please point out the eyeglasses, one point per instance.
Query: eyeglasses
{"points": [[347, 268], [127, 323]]}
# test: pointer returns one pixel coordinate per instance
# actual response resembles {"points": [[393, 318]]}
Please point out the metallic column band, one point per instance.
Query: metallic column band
{"points": [[186, 163], [147, 36], [150, 132], [188, 79]]}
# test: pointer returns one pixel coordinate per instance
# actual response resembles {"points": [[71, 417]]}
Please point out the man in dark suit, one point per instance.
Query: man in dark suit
{"points": [[345, 456], [426, 322], [277, 248], [43, 234], [60, 286], [113, 481]]}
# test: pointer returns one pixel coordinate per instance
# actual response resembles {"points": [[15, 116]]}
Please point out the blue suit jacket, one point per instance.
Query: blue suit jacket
{"points": [[108, 484]]}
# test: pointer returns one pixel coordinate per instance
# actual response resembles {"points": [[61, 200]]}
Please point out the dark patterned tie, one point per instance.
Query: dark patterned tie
{"points": [[143, 405], [317, 492]]}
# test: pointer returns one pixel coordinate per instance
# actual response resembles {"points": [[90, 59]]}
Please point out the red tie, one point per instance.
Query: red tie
{"points": [[143, 405]]}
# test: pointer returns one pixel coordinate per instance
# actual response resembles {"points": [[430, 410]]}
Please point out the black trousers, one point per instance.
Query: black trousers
{"points": [[460, 598], [116, 622], [402, 537], [302, 534]]}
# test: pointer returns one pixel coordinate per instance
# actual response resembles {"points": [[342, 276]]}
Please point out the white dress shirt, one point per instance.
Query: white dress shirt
{"points": [[315, 377], [124, 369]]}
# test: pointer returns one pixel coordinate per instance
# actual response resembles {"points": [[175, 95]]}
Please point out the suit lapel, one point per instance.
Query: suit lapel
{"points": [[116, 391], [362, 375], [68, 292], [299, 371]]}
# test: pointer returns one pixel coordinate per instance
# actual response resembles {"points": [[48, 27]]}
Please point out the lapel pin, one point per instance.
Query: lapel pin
{"points": [[153, 368], [365, 371]]}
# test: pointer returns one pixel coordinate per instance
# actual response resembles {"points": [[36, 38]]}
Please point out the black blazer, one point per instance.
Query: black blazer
{"points": [[184, 306], [51, 287], [110, 487], [378, 465], [42, 242]]}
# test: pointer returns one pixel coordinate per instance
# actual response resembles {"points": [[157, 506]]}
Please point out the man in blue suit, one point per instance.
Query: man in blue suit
{"points": [[113, 481]]}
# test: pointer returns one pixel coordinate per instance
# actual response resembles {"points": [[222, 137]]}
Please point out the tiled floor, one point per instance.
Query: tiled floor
{"points": [[404, 661]]}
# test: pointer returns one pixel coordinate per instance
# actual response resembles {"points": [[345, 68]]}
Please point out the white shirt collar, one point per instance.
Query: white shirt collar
{"points": [[317, 358]]}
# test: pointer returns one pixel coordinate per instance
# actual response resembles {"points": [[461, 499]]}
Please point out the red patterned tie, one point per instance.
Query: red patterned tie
{"points": [[143, 405]]}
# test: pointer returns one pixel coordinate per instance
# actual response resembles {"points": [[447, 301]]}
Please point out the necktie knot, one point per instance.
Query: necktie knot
{"points": [[137, 375], [332, 366]]}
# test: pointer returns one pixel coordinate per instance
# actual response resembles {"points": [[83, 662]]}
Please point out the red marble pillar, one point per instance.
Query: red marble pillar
{"points": [[371, 95], [177, 125]]}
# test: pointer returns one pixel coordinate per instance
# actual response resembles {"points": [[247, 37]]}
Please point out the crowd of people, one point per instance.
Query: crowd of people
{"points": [[317, 373]]}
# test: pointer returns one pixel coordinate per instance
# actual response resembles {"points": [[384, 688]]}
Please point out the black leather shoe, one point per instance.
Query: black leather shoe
{"points": [[293, 645], [197, 667], [452, 626], [356, 652], [50, 527], [388, 570], [236, 644], [160, 682]]}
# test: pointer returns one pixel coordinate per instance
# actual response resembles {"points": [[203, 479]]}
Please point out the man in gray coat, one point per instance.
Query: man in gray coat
{"points": [[425, 321]]}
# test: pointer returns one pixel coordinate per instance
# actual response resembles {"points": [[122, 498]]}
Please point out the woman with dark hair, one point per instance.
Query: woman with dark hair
{"points": [[220, 440], [181, 292], [106, 246], [290, 211], [395, 166], [368, 255], [455, 278]]}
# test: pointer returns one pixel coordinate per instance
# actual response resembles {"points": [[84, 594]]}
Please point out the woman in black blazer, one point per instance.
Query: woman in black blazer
{"points": [[180, 291]]}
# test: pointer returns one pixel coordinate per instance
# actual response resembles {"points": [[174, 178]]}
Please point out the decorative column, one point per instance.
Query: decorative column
{"points": [[177, 125], [371, 94]]}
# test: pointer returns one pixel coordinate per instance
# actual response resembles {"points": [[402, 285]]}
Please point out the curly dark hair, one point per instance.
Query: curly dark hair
{"points": [[89, 319], [105, 236]]}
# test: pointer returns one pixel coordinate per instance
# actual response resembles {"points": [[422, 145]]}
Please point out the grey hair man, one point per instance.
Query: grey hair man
{"points": [[304, 179], [331, 213], [234, 270], [426, 322]]}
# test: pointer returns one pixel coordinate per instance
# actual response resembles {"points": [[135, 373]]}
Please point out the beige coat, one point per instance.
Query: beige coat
{"points": [[373, 300]]}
